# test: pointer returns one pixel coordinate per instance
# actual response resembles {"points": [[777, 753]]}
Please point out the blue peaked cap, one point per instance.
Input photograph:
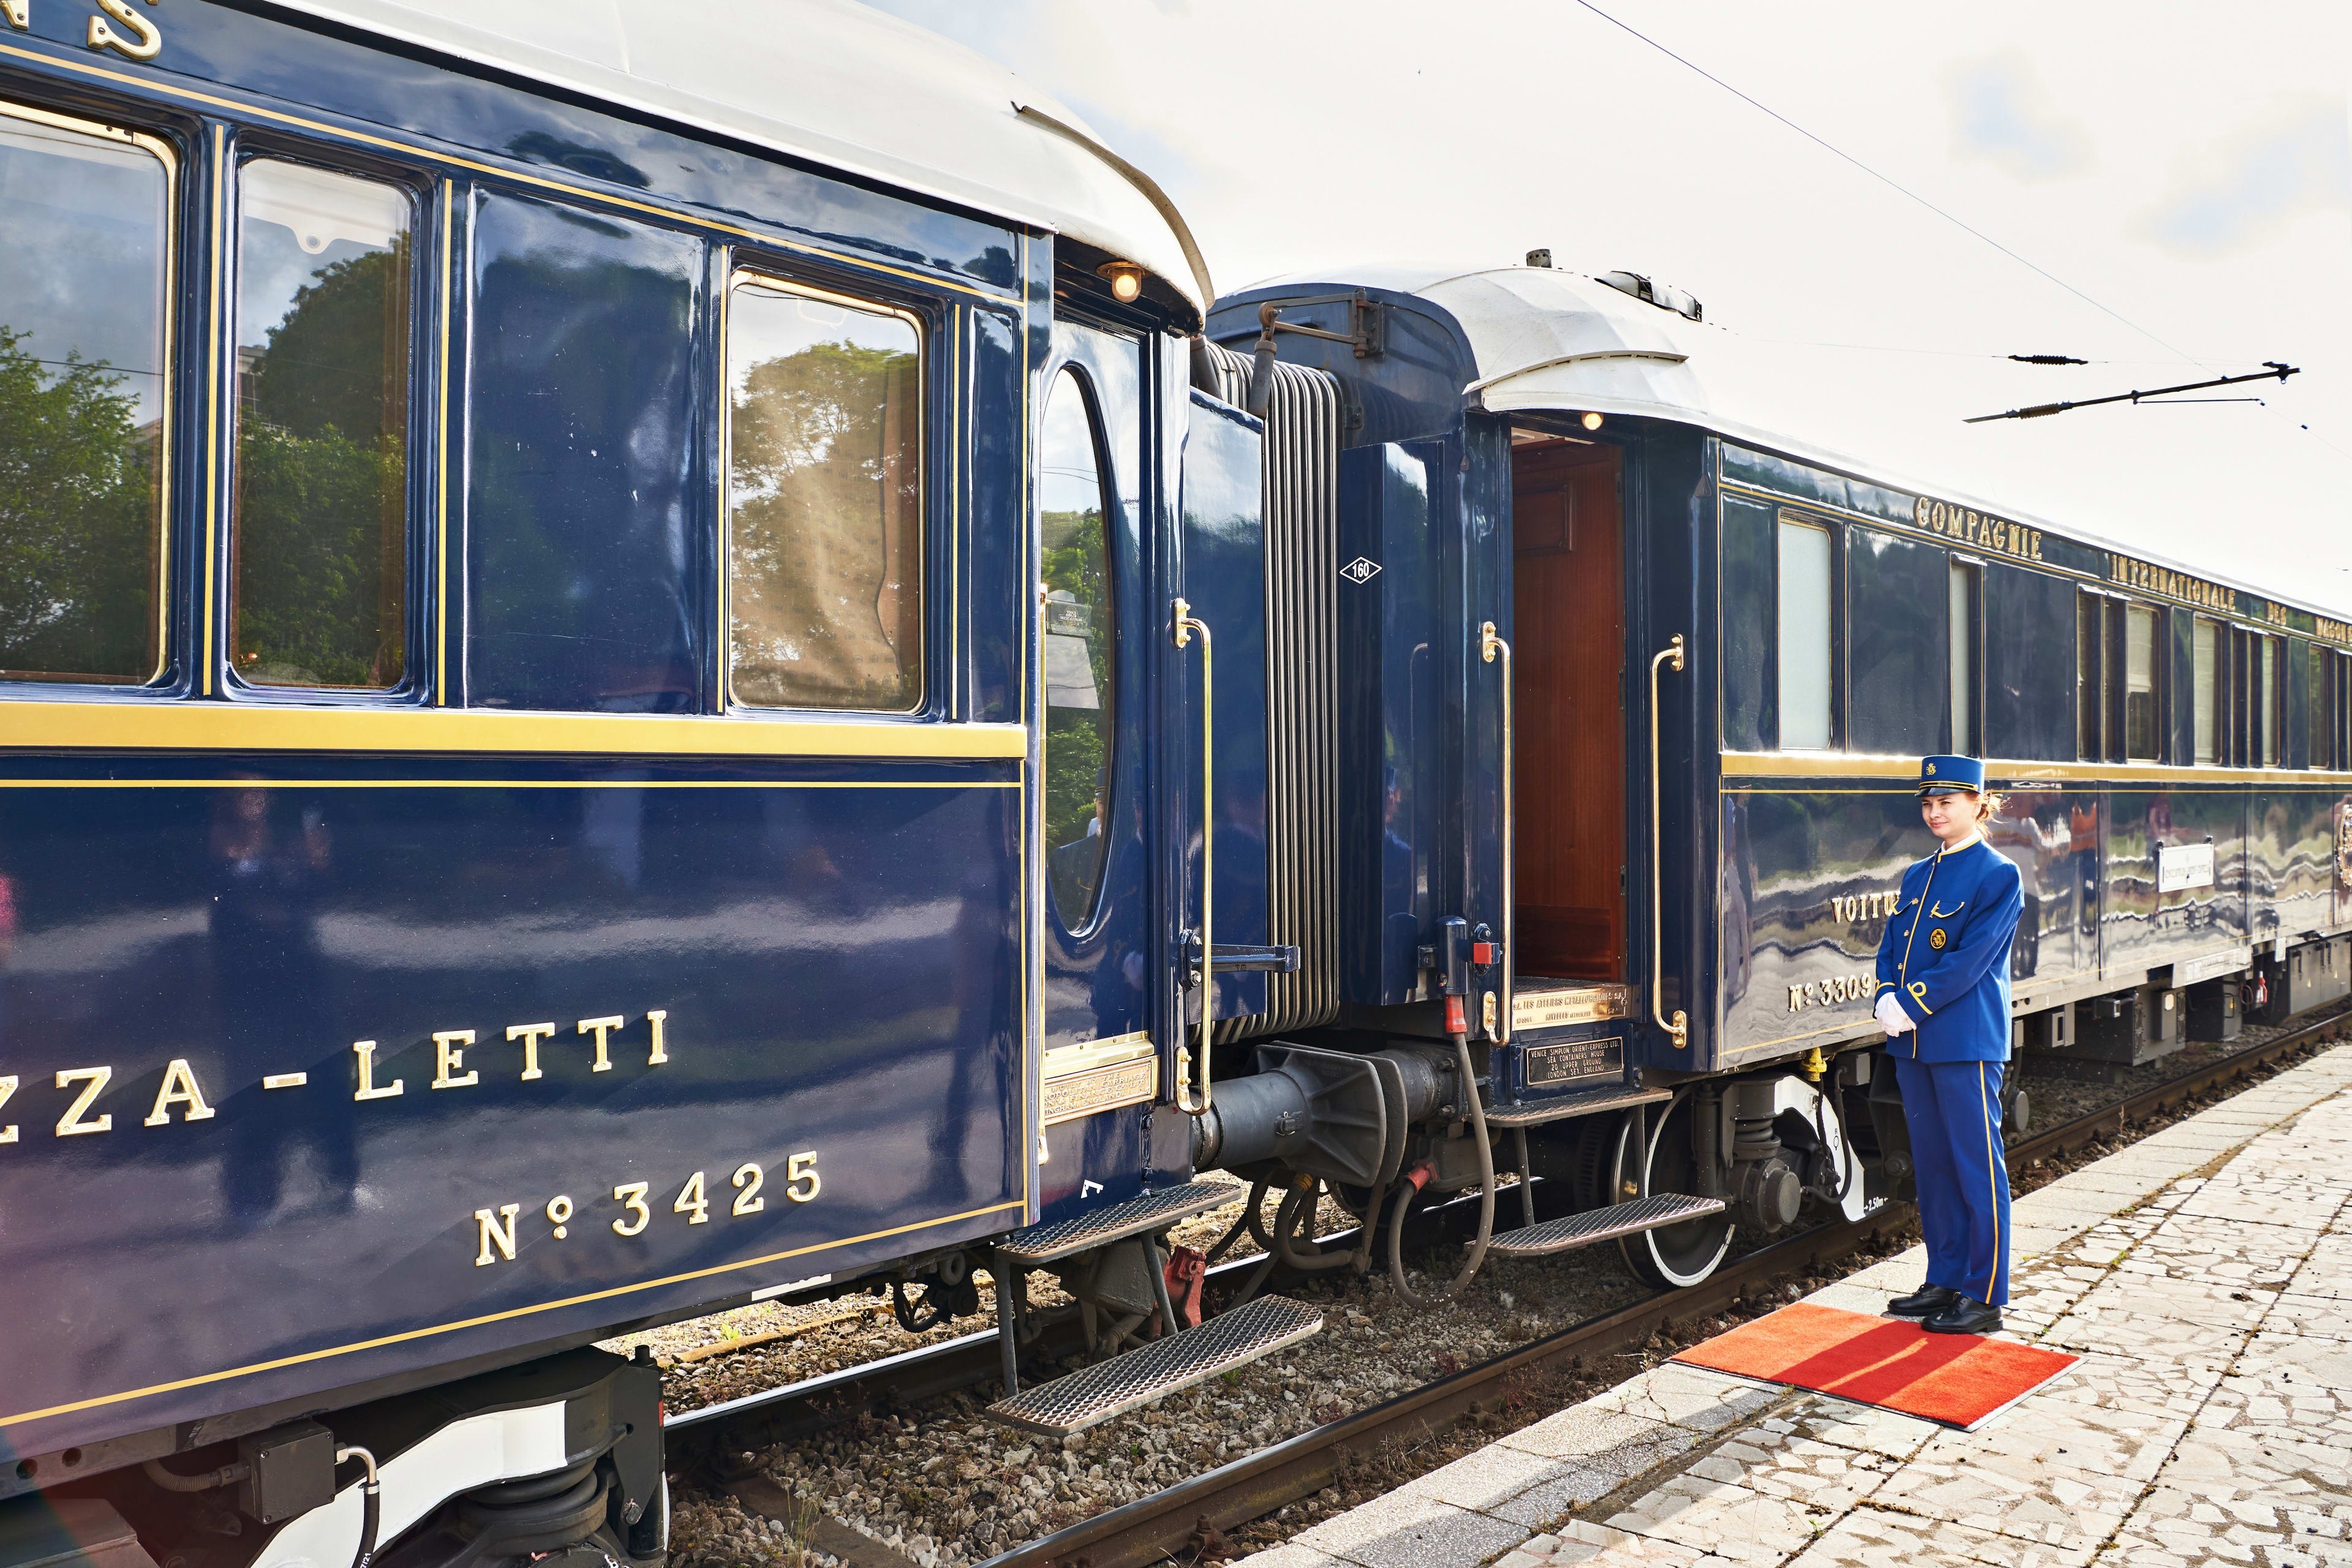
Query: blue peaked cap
{"points": [[1948, 776]]}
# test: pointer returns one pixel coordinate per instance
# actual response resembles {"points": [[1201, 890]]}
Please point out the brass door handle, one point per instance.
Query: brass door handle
{"points": [[1491, 647], [1183, 626], [1679, 1029]]}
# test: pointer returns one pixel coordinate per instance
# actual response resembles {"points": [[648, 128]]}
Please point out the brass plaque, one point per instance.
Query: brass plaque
{"points": [[1570, 1004], [1083, 1094], [1574, 1059]]}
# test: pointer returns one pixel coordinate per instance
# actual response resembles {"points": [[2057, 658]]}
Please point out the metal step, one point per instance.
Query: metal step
{"points": [[1096, 1393], [1616, 1096], [1099, 1227], [1571, 1231]]}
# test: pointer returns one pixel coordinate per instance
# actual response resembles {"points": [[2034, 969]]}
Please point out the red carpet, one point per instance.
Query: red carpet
{"points": [[1956, 1379]]}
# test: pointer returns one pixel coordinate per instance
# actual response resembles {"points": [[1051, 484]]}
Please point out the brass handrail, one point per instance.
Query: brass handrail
{"points": [[1184, 625], [1679, 1031], [1491, 647]]}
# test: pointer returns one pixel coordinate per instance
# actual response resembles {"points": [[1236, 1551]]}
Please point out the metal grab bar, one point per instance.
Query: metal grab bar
{"points": [[1491, 648], [1679, 1031], [1184, 623]]}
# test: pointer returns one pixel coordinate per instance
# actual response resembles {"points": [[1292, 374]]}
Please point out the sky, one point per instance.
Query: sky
{"points": [[2151, 190]]}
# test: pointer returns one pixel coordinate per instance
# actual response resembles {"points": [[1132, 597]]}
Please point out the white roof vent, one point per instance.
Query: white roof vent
{"points": [[1665, 296]]}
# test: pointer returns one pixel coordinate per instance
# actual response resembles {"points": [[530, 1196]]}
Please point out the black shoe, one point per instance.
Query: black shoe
{"points": [[1964, 1316], [1925, 1303]]}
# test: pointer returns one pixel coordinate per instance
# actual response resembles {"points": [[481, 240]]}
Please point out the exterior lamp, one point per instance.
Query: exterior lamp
{"points": [[1592, 422], [1126, 280]]}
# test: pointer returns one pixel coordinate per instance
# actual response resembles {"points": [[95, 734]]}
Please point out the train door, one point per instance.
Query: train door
{"points": [[1569, 781], [1154, 751], [1100, 558]]}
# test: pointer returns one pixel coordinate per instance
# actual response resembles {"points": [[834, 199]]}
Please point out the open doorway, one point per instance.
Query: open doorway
{"points": [[1568, 643]]}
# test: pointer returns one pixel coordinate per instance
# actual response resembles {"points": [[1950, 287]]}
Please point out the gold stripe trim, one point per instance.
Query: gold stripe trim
{"points": [[239, 727], [511, 1313], [509, 784], [215, 330], [441, 466], [2003, 772], [412, 150]]}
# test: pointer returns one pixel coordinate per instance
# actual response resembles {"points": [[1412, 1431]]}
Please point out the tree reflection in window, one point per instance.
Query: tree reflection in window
{"points": [[84, 399], [824, 498], [1080, 693], [319, 571]]}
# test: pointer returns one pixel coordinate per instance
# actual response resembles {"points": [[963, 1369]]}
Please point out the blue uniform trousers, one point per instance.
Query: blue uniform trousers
{"points": [[1953, 1111]]}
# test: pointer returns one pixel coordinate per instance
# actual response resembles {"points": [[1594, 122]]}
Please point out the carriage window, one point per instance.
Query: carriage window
{"points": [[2267, 708], [1080, 700], [2090, 678], [2206, 646], [1964, 658], [318, 546], [2139, 683], [2321, 751], [1804, 636], [824, 501], [84, 399]]}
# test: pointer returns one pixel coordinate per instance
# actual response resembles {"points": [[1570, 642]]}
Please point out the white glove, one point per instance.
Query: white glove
{"points": [[1891, 1013]]}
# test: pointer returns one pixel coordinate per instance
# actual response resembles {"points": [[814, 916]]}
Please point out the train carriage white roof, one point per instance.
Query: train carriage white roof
{"points": [[1544, 338], [827, 80]]}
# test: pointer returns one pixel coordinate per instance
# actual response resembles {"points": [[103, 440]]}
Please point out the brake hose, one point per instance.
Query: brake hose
{"points": [[1406, 1193], [371, 1502], [1299, 1200]]}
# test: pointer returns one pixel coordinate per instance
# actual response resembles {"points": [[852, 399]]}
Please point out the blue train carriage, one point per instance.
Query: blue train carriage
{"points": [[601, 661], [1633, 682]]}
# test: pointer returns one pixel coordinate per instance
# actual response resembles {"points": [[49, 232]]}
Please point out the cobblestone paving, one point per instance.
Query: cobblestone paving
{"points": [[2205, 1277]]}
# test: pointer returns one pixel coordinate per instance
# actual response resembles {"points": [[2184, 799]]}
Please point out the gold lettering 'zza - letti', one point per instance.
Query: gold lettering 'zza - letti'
{"points": [[181, 1096], [119, 27]]}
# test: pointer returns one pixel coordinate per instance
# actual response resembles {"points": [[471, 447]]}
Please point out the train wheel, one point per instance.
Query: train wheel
{"points": [[1673, 1254]]}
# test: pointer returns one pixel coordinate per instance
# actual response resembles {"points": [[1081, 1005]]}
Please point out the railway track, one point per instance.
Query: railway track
{"points": [[1151, 1529]]}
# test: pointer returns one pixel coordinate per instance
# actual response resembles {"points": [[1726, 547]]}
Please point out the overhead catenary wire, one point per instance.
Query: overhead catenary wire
{"points": [[1887, 180]]}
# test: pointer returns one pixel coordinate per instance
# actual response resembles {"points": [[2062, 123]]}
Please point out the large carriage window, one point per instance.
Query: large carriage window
{"points": [[2205, 648], [318, 570], [1804, 636], [824, 501], [1080, 699], [2139, 683], [84, 398]]}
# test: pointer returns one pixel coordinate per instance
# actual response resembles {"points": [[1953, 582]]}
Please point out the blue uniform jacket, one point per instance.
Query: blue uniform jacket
{"points": [[1945, 956]]}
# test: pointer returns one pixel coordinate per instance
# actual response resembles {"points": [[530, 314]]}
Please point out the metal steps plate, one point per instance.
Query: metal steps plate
{"points": [[1096, 1393], [1616, 1096], [1099, 1227], [1575, 1230]]}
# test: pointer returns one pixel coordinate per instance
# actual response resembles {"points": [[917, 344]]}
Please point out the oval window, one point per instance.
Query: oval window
{"points": [[1081, 695]]}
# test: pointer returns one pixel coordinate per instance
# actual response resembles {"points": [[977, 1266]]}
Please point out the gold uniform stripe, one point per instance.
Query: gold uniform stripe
{"points": [[512, 1312], [1992, 1187], [253, 727]]}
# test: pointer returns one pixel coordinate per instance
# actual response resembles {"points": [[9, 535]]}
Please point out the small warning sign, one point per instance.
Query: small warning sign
{"points": [[1360, 570]]}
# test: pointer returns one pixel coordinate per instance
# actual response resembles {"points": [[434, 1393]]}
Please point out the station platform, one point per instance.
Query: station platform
{"points": [[2204, 1277]]}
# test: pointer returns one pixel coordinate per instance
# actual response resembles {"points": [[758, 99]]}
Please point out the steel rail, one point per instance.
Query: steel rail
{"points": [[1150, 1528]]}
